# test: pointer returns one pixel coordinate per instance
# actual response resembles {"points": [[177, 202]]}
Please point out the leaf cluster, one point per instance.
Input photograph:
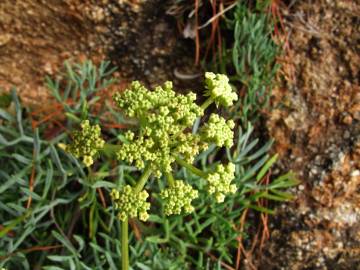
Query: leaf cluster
{"points": [[248, 55], [56, 214]]}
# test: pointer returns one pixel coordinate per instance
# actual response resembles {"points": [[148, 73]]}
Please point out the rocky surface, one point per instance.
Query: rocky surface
{"points": [[317, 125], [144, 42], [139, 37], [318, 134], [35, 39]]}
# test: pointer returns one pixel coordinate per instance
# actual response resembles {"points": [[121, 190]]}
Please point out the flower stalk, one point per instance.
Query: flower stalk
{"points": [[125, 245], [161, 139], [110, 149], [170, 179], [142, 181], [191, 168], [207, 103]]}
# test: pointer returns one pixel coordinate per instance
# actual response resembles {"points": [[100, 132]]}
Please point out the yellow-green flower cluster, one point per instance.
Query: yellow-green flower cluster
{"points": [[161, 108], [86, 142], [130, 204], [189, 146], [137, 149], [163, 117], [178, 197], [219, 131], [219, 181], [219, 89]]}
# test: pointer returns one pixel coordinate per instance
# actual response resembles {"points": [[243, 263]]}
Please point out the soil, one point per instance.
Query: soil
{"points": [[35, 39], [317, 130], [138, 37], [146, 45], [316, 125]]}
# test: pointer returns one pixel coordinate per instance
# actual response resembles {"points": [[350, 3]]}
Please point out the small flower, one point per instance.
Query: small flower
{"points": [[88, 161], [178, 197], [219, 89], [164, 118], [219, 182], [189, 146], [219, 131], [130, 204], [86, 142], [62, 146]]}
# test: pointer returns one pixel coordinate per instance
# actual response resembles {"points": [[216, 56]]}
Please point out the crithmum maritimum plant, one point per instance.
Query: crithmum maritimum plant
{"points": [[160, 139]]}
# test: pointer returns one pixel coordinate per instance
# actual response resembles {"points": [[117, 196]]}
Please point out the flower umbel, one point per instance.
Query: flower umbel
{"points": [[163, 117], [219, 89], [219, 131], [178, 197], [86, 142], [161, 132], [130, 204], [189, 146], [219, 181]]}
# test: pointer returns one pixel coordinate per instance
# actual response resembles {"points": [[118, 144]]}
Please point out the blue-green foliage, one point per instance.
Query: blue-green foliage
{"points": [[66, 213], [249, 57]]}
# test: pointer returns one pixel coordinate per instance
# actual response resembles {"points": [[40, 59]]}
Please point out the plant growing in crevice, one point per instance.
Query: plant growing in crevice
{"points": [[160, 140], [249, 57], [239, 41], [37, 232]]}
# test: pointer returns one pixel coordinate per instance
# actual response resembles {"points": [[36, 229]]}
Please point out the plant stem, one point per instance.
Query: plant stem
{"points": [[142, 181], [124, 245], [170, 179], [207, 103], [110, 149], [125, 225], [91, 219], [73, 117], [191, 168]]}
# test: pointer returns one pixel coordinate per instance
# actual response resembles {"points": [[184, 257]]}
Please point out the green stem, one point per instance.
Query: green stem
{"points": [[142, 181], [207, 103], [125, 226], [191, 168], [90, 175], [110, 149], [170, 178], [124, 245], [73, 117], [103, 225], [91, 219]]}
